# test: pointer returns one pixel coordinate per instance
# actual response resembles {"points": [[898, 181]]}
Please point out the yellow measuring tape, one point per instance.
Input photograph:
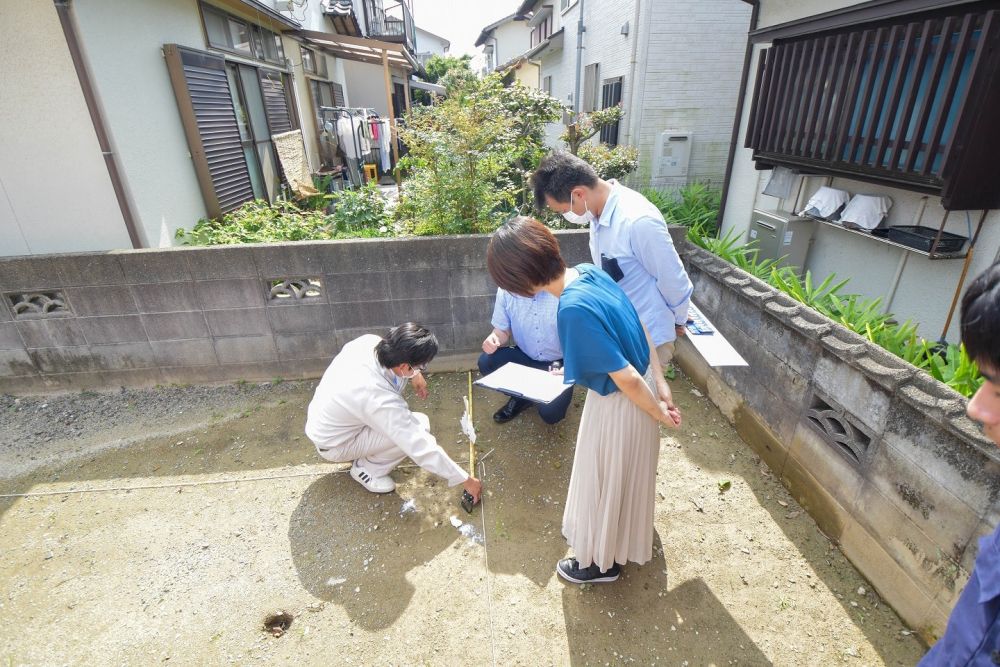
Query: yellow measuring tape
{"points": [[472, 445]]}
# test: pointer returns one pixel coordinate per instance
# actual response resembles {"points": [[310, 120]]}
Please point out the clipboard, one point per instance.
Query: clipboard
{"points": [[524, 382]]}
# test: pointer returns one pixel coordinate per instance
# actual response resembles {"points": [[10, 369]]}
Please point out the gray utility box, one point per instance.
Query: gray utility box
{"points": [[782, 235]]}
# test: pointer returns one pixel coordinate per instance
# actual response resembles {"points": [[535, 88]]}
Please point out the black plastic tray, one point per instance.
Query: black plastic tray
{"points": [[922, 238]]}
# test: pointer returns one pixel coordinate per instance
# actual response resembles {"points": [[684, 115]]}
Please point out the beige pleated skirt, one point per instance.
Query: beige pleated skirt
{"points": [[612, 489]]}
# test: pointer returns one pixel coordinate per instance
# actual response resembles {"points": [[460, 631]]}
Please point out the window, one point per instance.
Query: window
{"points": [[313, 62], [611, 95], [900, 101], [547, 84], [566, 4], [233, 34], [541, 32]]}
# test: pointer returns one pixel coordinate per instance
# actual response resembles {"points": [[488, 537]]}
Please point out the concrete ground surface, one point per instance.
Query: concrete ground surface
{"points": [[175, 549]]}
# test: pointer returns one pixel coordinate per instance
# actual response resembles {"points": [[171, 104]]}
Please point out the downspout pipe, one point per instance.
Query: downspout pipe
{"points": [[100, 128], [580, 29], [739, 116]]}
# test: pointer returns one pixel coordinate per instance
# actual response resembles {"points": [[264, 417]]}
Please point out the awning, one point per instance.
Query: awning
{"points": [[266, 16], [360, 49], [423, 85]]}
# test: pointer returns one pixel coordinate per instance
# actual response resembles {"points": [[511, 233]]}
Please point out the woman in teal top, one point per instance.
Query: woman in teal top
{"points": [[608, 519]]}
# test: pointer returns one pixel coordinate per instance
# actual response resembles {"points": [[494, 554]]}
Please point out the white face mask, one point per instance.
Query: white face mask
{"points": [[576, 218]]}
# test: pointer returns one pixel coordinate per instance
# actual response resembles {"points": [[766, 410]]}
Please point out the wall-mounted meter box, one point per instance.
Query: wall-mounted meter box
{"points": [[780, 235], [672, 154]]}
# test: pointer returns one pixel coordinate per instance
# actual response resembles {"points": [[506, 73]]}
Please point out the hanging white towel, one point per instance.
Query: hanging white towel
{"points": [[350, 131], [866, 211], [825, 202], [384, 146]]}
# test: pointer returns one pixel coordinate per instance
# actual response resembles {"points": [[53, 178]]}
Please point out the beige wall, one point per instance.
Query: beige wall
{"points": [[773, 12], [123, 42], [55, 192]]}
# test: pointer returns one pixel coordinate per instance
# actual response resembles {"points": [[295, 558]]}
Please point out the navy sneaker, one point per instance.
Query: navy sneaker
{"points": [[570, 570]]}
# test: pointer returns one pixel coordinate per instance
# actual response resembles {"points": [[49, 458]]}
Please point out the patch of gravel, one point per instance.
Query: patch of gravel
{"points": [[39, 430]]}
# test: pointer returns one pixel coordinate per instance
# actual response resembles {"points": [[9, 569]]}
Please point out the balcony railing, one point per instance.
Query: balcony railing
{"points": [[390, 24]]}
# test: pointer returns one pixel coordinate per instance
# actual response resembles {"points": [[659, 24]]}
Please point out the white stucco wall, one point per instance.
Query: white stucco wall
{"points": [[123, 43], [55, 192], [925, 288], [512, 39], [430, 43], [366, 83]]}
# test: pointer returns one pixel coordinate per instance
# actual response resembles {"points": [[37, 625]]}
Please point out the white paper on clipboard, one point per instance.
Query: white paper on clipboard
{"points": [[714, 347], [525, 382]]}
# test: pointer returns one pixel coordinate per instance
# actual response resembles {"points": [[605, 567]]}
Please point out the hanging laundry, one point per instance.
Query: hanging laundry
{"points": [[385, 148]]}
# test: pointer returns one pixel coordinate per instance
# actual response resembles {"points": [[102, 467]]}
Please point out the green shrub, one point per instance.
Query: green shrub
{"points": [[696, 204], [359, 212], [610, 161], [948, 364]]}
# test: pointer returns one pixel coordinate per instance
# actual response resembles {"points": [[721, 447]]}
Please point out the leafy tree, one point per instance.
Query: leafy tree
{"points": [[470, 153], [438, 68], [607, 161]]}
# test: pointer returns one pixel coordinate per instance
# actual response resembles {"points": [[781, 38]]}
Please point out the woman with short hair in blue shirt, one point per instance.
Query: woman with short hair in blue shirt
{"points": [[608, 519]]}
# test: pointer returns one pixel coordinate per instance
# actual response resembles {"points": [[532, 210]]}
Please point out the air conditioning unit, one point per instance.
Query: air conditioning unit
{"points": [[672, 154]]}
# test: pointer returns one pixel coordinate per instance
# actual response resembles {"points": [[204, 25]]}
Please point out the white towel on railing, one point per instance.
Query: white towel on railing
{"points": [[825, 202], [866, 211]]}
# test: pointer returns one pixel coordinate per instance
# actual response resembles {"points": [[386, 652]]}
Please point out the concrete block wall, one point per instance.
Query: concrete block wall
{"points": [[186, 315], [880, 454]]}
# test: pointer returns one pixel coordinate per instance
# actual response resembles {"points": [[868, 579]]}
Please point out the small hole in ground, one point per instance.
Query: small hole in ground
{"points": [[278, 623]]}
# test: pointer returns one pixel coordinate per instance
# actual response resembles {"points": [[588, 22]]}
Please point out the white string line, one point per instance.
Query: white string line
{"points": [[172, 485], [486, 558]]}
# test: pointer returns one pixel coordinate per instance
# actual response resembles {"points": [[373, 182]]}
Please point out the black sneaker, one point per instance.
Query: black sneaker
{"points": [[570, 570]]}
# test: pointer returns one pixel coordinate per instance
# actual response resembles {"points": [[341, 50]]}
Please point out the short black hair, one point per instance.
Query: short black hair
{"points": [[409, 343], [981, 319], [523, 255], [557, 174]]}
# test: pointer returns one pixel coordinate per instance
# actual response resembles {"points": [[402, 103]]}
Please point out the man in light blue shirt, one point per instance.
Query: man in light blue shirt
{"points": [[532, 323], [628, 239]]}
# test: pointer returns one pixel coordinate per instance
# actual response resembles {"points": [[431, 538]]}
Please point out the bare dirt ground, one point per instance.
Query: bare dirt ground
{"points": [[173, 549]]}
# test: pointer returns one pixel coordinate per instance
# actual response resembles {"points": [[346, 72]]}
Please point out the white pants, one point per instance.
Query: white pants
{"points": [[374, 452]]}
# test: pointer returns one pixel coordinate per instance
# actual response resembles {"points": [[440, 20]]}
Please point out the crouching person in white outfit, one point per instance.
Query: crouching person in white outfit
{"points": [[358, 413]]}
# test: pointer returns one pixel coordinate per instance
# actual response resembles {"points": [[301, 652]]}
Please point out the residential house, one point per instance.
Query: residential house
{"points": [[124, 121], [892, 99], [429, 44], [673, 65], [502, 40]]}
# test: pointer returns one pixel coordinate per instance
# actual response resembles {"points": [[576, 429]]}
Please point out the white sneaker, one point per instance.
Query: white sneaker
{"points": [[374, 484]]}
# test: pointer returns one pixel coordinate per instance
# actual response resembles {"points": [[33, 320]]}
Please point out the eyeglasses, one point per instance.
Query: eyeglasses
{"points": [[421, 367]]}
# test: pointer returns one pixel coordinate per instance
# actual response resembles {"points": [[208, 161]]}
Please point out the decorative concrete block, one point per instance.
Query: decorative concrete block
{"points": [[245, 349], [474, 310], [231, 293], [184, 352], [845, 344], [300, 319], [789, 346], [218, 262], [16, 362], [890, 375], [162, 265], [359, 315], [865, 400], [113, 329], [91, 269], [56, 332], [175, 326], [101, 300], [307, 346], [29, 273], [165, 297], [420, 284], [779, 308], [810, 324], [424, 311], [10, 339], [238, 322], [356, 287]]}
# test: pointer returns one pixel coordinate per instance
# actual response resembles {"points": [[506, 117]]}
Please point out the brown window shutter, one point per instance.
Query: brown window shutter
{"points": [[275, 103], [206, 108]]}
